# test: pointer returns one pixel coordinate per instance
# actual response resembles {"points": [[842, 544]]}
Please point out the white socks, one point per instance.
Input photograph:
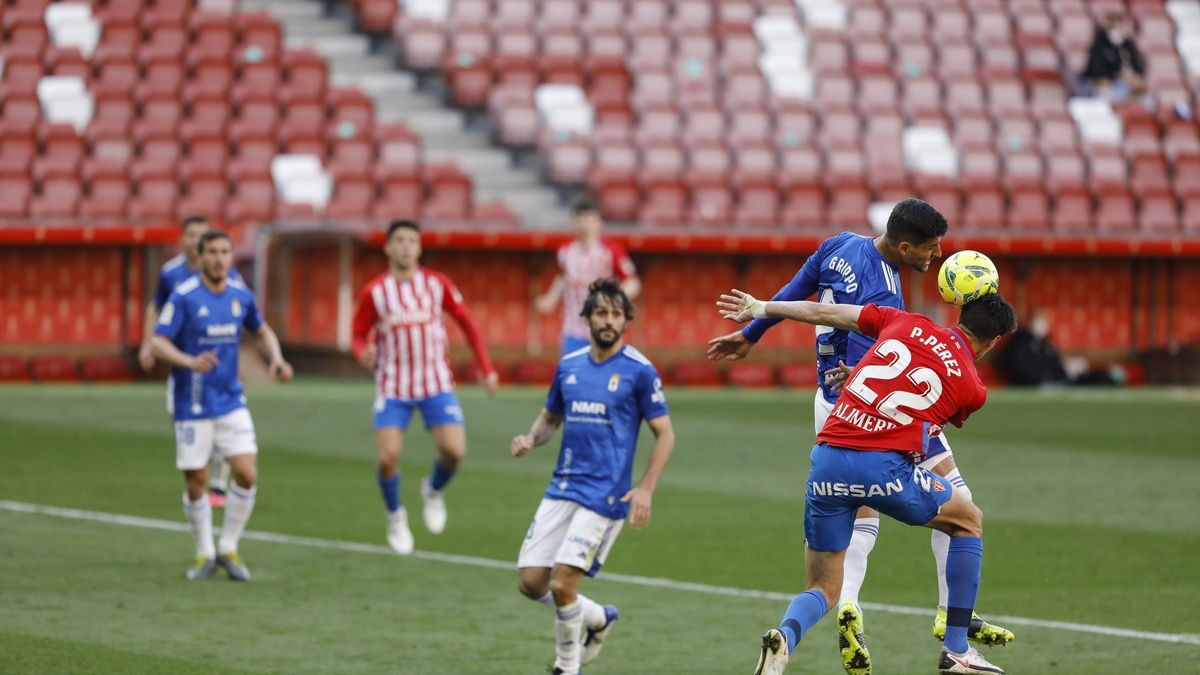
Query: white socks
{"points": [[239, 504], [855, 567], [199, 516], [940, 541], [567, 625], [593, 612]]}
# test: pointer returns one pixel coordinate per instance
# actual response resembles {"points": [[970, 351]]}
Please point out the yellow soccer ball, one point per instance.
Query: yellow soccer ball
{"points": [[967, 276]]}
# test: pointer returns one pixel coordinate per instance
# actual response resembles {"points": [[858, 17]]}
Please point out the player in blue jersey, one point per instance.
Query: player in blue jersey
{"points": [[600, 395], [199, 331], [174, 272], [850, 269]]}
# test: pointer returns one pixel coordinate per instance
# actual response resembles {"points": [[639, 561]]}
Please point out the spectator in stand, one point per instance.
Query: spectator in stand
{"points": [[1031, 360], [1115, 69]]}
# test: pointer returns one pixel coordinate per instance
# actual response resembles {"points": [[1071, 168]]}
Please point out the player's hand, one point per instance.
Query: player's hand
{"points": [[521, 445], [835, 377], [490, 383], [639, 511], [545, 304], [281, 370], [740, 306], [146, 358], [729, 347], [368, 357], [205, 361]]}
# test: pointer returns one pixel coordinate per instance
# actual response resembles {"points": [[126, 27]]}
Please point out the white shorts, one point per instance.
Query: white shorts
{"points": [[567, 533], [228, 435], [822, 408]]}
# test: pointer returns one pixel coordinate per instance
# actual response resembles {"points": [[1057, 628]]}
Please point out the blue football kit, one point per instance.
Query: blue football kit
{"points": [[603, 406], [198, 320]]}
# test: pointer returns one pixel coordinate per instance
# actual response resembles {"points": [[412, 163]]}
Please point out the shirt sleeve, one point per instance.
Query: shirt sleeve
{"points": [[801, 287], [652, 401], [622, 264], [171, 317], [976, 403], [365, 318], [162, 291], [253, 320], [454, 305], [554, 399], [874, 318]]}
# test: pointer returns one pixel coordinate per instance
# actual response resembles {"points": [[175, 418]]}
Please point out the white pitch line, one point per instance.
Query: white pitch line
{"points": [[653, 582]]}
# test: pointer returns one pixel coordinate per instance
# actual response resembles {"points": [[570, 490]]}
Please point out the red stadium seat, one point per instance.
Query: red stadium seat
{"points": [[1072, 212], [1159, 213], [13, 369], [258, 29], [53, 369], [1029, 210], [984, 209], [1115, 210], [695, 374], [59, 196], [448, 190], [105, 369], [751, 374]]}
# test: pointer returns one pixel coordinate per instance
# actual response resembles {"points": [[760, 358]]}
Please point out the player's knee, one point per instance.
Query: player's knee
{"points": [[246, 478], [971, 522], [563, 590]]}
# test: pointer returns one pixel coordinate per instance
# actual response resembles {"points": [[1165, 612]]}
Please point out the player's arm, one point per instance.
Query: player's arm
{"points": [[146, 351], [453, 303], [740, 307], [365, 318], [170, 323], [542, 430], [547, 302], [624, 270], [269, 341], [738, 344], [640, 496]]}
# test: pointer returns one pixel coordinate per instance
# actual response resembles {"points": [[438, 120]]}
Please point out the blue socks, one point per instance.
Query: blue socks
{"points": [[390, 487], [440, 476], [804, 613], [963, 564]]}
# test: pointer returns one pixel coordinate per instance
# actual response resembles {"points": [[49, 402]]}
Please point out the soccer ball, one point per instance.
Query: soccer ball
{"points": [[967, 276]]}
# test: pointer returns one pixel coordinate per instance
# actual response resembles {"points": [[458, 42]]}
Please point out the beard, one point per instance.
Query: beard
{"points": [[599, 337]]}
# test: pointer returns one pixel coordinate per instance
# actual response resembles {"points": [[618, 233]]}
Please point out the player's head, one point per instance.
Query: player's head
{"points": [[915, 230], [403, 246], [216, 255], [190, 231], [587, 219], [987, 320], [607, 310]]}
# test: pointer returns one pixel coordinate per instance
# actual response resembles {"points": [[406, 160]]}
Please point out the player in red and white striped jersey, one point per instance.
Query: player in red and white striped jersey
{"points": [[580, 262], [399, 332]]}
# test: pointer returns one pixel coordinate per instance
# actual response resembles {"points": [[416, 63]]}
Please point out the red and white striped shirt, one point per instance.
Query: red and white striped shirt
{"points": [[580, 267], [406, 316]]}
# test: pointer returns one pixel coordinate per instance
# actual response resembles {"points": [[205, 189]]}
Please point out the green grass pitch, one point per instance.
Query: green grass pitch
{"points": [[1091, 504]]}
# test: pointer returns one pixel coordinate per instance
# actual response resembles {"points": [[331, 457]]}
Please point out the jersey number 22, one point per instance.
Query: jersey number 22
{"points": [[889, 405]]}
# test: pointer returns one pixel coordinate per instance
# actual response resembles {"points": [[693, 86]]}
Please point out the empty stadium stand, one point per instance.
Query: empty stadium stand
{"points": [[114, 110], [799, 114]]}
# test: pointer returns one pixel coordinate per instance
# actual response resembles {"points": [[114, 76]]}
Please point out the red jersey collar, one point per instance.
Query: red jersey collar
{"points": [[964, 340]]}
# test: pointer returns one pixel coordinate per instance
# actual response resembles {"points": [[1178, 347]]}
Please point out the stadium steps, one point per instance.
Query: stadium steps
{"points": [[398, 98]]}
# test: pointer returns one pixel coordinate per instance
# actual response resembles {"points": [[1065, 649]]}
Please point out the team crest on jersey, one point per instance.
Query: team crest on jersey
{"points": [[203, 312], [236, 307], [937, 486], [614, 382]]}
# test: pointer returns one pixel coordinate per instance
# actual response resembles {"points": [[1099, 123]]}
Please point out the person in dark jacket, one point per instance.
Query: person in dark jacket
{"points": [[1115, 68]]}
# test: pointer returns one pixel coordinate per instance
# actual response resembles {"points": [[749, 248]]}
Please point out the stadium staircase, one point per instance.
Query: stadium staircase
{"points": [[447, 134]]}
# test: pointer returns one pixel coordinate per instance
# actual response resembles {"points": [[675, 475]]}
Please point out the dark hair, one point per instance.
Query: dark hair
{"points": [[584, 206], [403, 224], [988, 317], [915, 222], [193, 219], [209, 236], [609, 288]]}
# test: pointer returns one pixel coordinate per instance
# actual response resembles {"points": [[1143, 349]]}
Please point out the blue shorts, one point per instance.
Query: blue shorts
{"points": [[436, 411], [841, 480], [570, 343]]}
